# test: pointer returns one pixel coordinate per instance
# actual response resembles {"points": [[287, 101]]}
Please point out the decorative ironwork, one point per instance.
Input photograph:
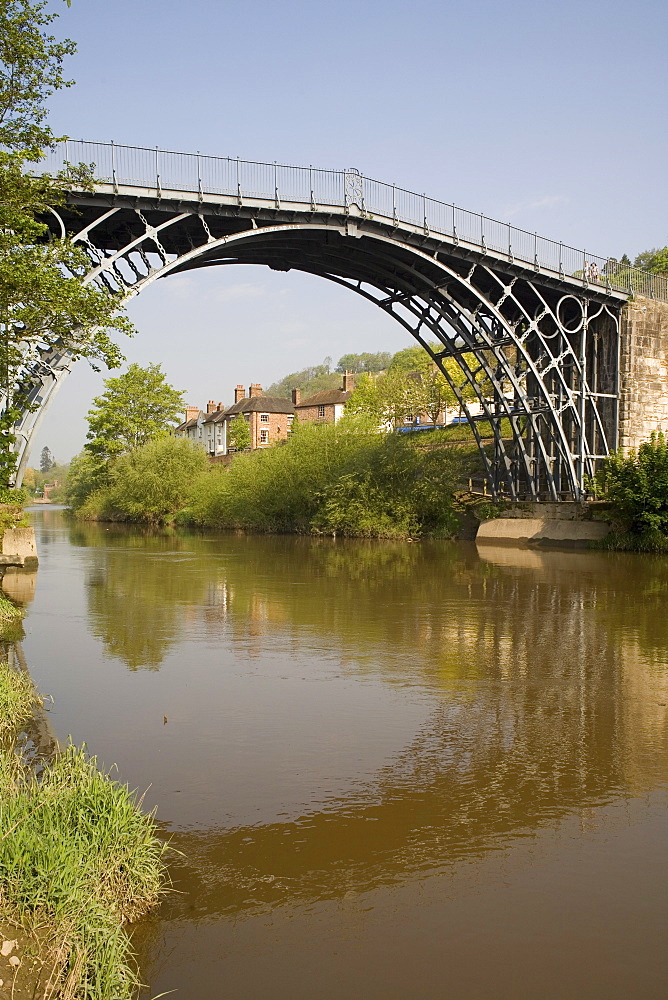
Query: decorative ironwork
{"points": [[536, 347]]}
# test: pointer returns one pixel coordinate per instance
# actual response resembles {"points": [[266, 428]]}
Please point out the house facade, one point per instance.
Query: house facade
{"points": [[269, 420], [205, 428], [324, 407]]}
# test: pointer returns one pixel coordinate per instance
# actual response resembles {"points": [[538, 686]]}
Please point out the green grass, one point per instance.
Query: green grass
{"points": [[8, 612], [17, 697], [78, 859]]}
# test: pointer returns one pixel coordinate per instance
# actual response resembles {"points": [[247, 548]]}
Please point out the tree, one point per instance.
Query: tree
{"points": [[309, 380], [135, 408], [655, 260], [153, 482], [391, 398], [239, 435], [43, 303], [46, 461], [364, 362]]}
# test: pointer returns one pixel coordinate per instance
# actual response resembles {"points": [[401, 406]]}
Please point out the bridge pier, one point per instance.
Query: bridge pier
{"points": [[643, 371]]}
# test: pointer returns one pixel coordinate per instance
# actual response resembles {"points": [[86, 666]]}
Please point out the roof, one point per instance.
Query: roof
{"points": [[215, 417], [186, 424], [324, 397], [261, 404]]}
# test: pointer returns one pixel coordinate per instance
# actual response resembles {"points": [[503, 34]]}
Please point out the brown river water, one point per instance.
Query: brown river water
{"points": [[390, 770]]}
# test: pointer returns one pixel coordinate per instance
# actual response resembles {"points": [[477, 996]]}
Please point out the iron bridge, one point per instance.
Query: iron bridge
{"points": [[533, 325]]}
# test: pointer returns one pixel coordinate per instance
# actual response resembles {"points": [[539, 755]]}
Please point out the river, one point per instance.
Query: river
{"points": [[388, 770]]}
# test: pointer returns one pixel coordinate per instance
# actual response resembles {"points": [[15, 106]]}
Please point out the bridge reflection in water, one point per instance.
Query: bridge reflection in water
{"points": [[386, 767]]}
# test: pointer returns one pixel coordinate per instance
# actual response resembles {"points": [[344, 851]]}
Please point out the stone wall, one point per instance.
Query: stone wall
{"points": [[643, 371]]}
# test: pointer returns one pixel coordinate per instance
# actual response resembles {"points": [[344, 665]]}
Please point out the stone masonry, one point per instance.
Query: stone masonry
{"points": [[643, 371]]}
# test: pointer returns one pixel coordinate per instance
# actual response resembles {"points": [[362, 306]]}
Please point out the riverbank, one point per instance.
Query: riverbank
{"points": [[78, 861]]}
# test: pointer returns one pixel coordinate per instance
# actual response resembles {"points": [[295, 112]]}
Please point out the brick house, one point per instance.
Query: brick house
{"points": [[269, 417], [324, 407]]}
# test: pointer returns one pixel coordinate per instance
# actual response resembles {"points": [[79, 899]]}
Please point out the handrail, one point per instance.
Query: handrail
{"points": [[165, 170]]}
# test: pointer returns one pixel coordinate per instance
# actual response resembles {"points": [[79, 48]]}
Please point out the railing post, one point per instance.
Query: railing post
{"points": [[561, 262], [395, 218], [454, 226], [310, 182], [482, 233], [157, 173], [536, 265], [199, 179], [277, 202], [425, 224], [510, 243], [113, 168], [239, 198]]}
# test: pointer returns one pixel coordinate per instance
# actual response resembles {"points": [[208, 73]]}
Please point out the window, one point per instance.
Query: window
{"points": [[264, 418], [291, 417], [321, 411], [264, 436]]}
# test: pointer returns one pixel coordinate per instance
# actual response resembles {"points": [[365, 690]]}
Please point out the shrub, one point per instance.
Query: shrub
{"points": [[637, 486], [150, 484], [346, 478]]}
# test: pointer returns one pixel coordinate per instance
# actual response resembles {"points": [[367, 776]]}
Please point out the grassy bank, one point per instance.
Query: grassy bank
{"points": [[346, 479], [78, 860]]}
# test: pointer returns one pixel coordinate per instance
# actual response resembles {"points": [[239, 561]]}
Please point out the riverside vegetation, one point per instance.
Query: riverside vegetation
{"points": [[345, 478], [78, 860], [636, 485]]}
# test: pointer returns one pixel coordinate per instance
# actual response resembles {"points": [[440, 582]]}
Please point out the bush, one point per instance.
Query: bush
{"points": [[344, 478], [12, 496], [150, 484], [637, 486]]}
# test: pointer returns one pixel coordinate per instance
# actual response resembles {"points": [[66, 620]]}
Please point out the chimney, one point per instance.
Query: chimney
{"points": [[192, 412], [255, 390], [219, 406], [239, 393], [348, 382], [296, 397], [211, 406]]}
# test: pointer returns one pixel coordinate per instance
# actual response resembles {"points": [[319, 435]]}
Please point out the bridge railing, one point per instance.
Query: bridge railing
{"points": [[163, 170]]}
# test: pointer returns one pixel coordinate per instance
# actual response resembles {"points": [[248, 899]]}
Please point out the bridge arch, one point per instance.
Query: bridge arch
{"points": [[536, 348]]}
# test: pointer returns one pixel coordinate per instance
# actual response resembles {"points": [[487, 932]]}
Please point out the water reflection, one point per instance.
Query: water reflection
{"points": [[548, 669], [363, 718]]}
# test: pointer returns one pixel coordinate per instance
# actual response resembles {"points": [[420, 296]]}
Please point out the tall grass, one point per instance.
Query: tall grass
{"points": [[78, 860], [17, 698]]}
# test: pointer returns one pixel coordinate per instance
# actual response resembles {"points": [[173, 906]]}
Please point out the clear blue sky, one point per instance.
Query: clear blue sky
{"points": [[551, 116]]}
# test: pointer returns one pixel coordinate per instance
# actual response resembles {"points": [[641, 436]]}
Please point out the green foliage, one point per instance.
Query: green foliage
{"points": [[655, 260], [87, 473], [413, 385], [43, 303], [637, 486], [341, 477], [365, 362], [310, 380], [135, 407], [150, 484], [46, 461], [17, 695], [12, 496], [34, 481], [83, 858], [12, 517], [238, 433]]}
